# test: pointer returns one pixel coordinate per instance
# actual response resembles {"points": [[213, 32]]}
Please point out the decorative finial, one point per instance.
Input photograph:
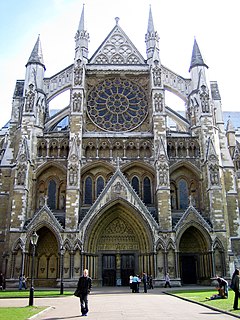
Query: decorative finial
{"points": [[117, 19]]}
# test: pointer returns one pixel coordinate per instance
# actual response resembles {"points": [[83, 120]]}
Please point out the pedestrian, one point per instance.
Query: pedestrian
{"points": [[24, 282], [130, 281], [84, 287], [150, 282], [235, 285], [1, 281], [144, 280], [20, 282], [167, 281], [223, 284], [135, 284]]}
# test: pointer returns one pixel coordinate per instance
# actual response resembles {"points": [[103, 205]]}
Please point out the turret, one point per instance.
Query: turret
{"points": [[152, 41], [197, 68], [81, 40], [35, 68]]}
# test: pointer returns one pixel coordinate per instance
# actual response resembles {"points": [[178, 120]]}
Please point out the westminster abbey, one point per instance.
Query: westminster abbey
{"points": [[117, 181]]}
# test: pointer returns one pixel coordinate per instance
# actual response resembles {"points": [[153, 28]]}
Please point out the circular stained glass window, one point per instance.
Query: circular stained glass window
{"points": [[117, 105]]}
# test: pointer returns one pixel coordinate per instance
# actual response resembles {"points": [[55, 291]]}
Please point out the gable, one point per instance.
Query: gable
{"points": [[117, 49]]}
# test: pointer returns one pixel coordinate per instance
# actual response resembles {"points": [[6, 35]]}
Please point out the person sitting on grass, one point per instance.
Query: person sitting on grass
{"points": [[219, 295]]}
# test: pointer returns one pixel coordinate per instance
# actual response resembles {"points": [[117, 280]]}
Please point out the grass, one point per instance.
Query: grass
{"points": [[200, 296], [22, 313], [37, 293]]}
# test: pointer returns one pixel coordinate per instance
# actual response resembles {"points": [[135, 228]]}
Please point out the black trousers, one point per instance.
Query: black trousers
{"points": [[235, 304], [84, 303]]}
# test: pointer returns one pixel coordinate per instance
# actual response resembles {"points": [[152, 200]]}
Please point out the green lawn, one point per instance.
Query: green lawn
{"points": [[19, 313], [200, 296], [37, 293]]}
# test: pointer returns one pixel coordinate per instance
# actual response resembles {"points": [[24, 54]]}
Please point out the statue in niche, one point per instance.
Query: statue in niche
{"points": [[204, 97], [73, 175], [77, 99], [30, 97], [157, 76], [158, 102], [21, 176], [78, 72], [162, 174], [214, 175]]}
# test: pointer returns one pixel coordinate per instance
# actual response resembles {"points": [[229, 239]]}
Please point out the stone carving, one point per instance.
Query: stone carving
{"points": [[214, 175], [157, 76], [162, 173], [77, 102], [78, 73], [158, 102], [30, 97], [204, 97], [21, 175], [73, 173]]}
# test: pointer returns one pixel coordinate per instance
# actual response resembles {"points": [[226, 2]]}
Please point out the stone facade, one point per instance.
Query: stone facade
{"points": [[116, 189]]}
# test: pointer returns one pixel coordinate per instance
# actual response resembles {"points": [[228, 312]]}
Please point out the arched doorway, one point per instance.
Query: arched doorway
{"points": [[47, 258], [118, 244], [194, 257]]}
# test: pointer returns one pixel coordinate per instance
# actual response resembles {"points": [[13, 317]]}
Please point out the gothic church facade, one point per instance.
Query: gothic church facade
{"points": [[107, 181]]}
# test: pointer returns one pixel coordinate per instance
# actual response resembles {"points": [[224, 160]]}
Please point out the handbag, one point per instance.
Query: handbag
{"points": [[77, 293]]}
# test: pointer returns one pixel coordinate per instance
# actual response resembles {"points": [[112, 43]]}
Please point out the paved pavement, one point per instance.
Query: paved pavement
{"points": [[120, 304]]}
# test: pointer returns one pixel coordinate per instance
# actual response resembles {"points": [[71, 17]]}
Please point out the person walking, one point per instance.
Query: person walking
{"points": [[150, 282], [235, 285], [1, 281], [144, 280], [84, 287], [167, 281]]}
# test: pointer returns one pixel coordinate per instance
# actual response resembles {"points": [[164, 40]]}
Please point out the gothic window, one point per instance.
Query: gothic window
{"points": [[88, 196], [100, 185], [52, 189], [183, 194], [147, 194], [135, 184], [117, 105]]}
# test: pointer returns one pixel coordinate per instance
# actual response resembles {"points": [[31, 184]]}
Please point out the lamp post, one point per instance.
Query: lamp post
{"points": [[61, 273], [33, 239]]}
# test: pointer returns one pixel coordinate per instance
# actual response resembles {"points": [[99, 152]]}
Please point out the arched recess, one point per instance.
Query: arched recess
{"points": [[46, 260], [185, 182], [195, 255], [119, 243], [219, 258], [51, 183]]}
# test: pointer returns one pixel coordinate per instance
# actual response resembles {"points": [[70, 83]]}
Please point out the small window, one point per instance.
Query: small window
{"points": [[135, 184], [100, 185], [52, 194], [88, 191], [183, 194], [147, 193]]}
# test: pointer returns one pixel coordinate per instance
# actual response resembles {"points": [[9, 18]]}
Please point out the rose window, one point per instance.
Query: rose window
{"points": [[117, 105]]}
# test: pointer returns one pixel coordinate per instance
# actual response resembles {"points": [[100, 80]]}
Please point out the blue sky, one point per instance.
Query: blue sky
{"points": [[214, 23]]}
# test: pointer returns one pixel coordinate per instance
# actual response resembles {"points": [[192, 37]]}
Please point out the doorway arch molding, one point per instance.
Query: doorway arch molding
{"points": [[123, 211]]}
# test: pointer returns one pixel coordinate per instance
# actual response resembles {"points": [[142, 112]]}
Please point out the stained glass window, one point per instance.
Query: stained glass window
{"points": [[52, 194]]}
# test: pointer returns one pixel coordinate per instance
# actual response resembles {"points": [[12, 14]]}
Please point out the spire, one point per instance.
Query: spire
{"points": [[81, 39], [151, 39], [197, 59], [36, 56], [81, 22], [150, 28]]}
